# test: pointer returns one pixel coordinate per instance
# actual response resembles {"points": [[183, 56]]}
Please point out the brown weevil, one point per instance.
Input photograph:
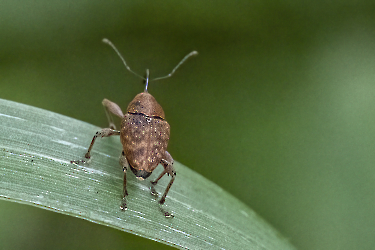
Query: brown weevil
{"points": [[144, 133]]}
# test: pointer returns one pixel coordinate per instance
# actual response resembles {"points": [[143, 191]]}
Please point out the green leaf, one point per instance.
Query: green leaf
{"points": [[37, 147]]}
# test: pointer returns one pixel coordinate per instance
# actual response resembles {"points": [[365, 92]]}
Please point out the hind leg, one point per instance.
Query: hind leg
{"points": [[168, 169]]}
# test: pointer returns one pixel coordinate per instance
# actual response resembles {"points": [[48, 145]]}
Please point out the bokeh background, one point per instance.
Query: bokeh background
{"points": [[278, 108]]}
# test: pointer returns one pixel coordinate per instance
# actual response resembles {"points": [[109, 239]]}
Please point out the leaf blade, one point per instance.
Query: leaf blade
{"points": [[36, 149]]}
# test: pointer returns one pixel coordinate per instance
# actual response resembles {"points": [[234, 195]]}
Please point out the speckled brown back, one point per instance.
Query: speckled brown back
{"points": [[145, 140], [145, 103]]}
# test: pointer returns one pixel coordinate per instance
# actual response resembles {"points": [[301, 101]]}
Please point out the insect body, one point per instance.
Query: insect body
{"points": [[144, 134]]}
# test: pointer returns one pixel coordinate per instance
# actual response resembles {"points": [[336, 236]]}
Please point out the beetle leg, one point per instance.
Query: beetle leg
{"points": [[105, 132], [111, 108], [124, 163], [168, 169]]}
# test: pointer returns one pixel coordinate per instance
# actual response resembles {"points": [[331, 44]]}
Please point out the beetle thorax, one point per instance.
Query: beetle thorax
{"points": [[145, 103]]}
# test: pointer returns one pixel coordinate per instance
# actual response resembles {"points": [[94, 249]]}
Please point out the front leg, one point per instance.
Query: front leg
{"points": [[168, 169], [111, 108]]}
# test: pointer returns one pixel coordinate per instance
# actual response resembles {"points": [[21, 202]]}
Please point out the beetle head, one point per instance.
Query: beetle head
{"points": [[145, 103]]}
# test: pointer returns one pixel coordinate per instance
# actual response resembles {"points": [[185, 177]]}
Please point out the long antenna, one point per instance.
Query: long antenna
{"points": [[193, 53], [105, 40]]}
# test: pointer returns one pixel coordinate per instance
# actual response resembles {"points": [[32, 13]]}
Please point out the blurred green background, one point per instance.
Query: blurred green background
{"points": [[278, 108]]}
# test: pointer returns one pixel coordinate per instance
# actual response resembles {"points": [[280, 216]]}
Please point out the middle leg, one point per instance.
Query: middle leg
{"points": [[125, 165], [105, 132]]}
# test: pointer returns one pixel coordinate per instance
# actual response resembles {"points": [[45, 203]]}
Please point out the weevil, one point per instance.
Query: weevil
{"points": [[144, 133]]}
